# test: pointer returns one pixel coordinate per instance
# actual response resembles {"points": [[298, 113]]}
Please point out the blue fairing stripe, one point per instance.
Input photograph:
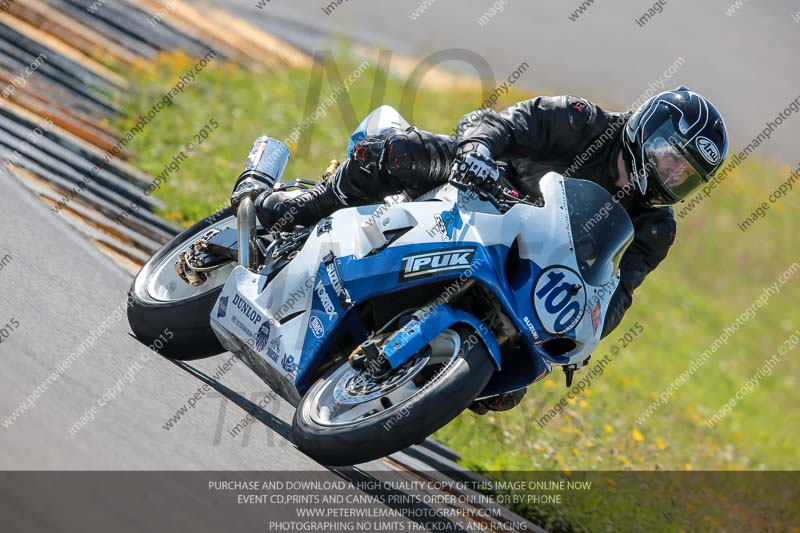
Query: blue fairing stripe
{"points": [[373, 276]]}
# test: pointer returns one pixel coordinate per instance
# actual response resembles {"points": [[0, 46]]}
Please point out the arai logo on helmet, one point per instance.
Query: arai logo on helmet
{"points": [[708, 149]]}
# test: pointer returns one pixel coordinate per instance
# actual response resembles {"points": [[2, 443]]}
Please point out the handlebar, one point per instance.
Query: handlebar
{"points": [[501, 197]]}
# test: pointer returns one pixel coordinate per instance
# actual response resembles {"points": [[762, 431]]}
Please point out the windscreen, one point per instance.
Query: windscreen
{"points": [[601, 230]]}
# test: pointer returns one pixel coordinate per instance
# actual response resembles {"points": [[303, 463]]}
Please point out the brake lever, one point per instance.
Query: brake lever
{"points": [[478, 187]]}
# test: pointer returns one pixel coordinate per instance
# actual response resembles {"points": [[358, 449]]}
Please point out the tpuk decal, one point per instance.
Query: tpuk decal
{"points": [[428, 264]]}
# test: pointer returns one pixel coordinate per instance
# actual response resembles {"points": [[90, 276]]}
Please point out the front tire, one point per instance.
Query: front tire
{"points": [[331, 426], [160, 301]]}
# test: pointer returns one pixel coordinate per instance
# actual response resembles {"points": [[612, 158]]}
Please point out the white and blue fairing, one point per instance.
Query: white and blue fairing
{"points": [[553, 275]]}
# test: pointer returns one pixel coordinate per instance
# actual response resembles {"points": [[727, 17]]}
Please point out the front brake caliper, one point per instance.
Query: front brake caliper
{"points": [[369, 357], [193, 263]]}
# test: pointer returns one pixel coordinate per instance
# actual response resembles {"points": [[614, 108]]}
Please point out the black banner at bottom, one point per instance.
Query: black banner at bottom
{"points": [[350, 499]]}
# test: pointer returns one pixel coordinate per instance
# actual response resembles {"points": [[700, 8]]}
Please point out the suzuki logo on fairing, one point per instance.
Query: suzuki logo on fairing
{"points": [[327, 303], [336, 281], [422, 265], [531, 327], [247, 310]]}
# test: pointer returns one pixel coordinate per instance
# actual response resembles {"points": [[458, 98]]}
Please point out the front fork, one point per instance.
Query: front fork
{"points": [[246, 233], [423, 328]]}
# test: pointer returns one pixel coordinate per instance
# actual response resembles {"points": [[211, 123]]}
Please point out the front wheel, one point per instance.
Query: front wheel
{"points": [[159, 300], [348, 417]]}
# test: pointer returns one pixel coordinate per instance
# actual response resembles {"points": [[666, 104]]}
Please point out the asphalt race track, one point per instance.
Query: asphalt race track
{"points": [[60, 289], [104, 399]]}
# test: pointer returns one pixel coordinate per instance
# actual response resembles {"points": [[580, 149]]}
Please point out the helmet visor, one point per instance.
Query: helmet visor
{"points": [[672, 167]]}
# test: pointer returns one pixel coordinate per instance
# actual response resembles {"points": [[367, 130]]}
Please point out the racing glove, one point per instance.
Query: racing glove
{"points": [[475, 169], [248, 186]]}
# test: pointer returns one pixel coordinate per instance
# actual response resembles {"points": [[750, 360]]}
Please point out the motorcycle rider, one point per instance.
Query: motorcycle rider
{"points": [[647, 160]]}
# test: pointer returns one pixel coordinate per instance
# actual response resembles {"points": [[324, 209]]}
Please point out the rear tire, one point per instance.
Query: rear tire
{"points": [[437, 403], [186, 318]]}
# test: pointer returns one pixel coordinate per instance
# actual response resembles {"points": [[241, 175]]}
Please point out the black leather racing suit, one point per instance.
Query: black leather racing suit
{"points": [[563, 134], [578, 139]]}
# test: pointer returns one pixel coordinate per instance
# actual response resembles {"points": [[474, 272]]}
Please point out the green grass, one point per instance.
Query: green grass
{"points": [[248, 104], [713, 273]]}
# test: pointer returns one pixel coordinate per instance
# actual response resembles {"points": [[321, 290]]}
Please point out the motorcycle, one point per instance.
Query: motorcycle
{"points": [[383, 322]]}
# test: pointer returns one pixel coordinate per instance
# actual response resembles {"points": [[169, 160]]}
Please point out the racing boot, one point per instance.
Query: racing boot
{"points": [[282, 210], [501, 402]]}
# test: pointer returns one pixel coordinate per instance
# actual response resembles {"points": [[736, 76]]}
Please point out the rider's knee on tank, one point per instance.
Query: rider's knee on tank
{"points": [[385, 164], [379, 166], [396, 161]]}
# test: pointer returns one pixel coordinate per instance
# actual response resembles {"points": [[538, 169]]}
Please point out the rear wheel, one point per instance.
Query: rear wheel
{"points": [[349, 417], [160, 300]]}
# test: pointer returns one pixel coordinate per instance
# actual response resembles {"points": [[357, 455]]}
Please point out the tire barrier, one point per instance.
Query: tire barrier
{"points": [[57, 91]]}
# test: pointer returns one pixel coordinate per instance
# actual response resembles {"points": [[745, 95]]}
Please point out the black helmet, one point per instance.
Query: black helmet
{"points": [[673, 144]]}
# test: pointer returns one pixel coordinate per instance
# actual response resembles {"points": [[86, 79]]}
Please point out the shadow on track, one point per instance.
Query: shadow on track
{"points": [[409, 506], [265, 417]]}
